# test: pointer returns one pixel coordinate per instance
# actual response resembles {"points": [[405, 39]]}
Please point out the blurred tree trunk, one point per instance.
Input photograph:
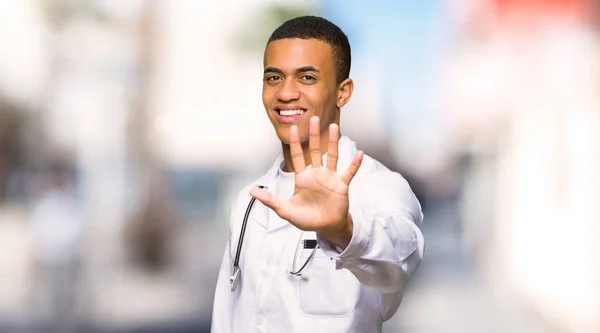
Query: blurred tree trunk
{"points": [[10, 147], [151, 229]]}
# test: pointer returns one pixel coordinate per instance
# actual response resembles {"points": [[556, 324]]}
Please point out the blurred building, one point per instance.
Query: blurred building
{"points": [[488, 107], [526, 110]]}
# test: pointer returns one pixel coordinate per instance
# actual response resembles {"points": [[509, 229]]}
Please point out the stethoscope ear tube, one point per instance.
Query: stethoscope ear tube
{"points": [[299, 272], [312, 254], [235, 277]]}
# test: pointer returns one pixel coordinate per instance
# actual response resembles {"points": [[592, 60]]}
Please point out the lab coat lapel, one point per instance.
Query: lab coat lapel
{"points": [[261, 213]]}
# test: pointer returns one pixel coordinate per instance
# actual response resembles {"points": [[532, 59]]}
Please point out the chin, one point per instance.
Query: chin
{"points": [[284, 140], [283, 135]]}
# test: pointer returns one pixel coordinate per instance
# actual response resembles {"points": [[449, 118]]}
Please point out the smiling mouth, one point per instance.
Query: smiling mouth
{"points": [[291, 112]]}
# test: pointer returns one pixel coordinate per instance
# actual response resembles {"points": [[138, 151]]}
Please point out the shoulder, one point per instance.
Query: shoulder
{"points": [[240, 203], [244, 194], [378, 186], [373, 174]]}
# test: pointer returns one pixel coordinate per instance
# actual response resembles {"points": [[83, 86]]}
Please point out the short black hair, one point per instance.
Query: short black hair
{"points": [[309, 27]]}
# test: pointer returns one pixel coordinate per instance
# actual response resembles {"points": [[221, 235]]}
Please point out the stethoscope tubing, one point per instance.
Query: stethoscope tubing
{"points": [[236, 263], [238, 252]]}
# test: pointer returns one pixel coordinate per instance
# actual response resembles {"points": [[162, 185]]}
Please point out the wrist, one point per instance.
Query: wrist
{"points": [[340, 238]]}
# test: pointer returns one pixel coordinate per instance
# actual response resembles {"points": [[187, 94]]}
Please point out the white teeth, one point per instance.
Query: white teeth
{"points": [[290, 112]]}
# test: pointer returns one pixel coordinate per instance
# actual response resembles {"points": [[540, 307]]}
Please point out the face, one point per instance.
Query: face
{"points": [[300, 81]]}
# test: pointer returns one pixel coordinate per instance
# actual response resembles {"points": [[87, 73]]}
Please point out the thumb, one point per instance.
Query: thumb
{"points": [[271, 201]]}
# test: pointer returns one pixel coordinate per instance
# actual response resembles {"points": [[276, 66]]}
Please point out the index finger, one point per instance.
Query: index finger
{"points": [[353, 168]]}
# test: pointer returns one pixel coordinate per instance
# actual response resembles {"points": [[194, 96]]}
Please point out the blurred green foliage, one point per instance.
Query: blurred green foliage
{"points": [[253, 33]]}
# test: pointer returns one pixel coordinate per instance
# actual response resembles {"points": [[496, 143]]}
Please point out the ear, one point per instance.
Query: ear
{"points": [[345, 90]]}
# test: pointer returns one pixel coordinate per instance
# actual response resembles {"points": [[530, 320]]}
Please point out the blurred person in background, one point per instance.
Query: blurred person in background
{"points": [[334, 237], [56, 225]]}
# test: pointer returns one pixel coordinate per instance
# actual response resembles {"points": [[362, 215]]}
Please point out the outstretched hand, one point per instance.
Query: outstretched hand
{"points": [[320, 200]]}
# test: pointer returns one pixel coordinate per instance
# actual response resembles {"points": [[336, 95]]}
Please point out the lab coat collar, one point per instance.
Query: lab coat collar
{"points": [[266, 217]]}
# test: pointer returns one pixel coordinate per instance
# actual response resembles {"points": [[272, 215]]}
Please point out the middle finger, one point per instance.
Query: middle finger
{"points": [[314, 142]]}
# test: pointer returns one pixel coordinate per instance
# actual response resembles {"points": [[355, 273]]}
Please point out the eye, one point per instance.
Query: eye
{"points": [[308, 77], [273, 78]]}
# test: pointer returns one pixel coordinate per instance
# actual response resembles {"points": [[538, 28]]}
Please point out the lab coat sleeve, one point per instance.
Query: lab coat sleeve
{"points": [[224, 299], [223, 302], [386, 245]]}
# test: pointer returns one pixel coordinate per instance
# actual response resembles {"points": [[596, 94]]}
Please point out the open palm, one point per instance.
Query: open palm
{"points": [[320, 199]]}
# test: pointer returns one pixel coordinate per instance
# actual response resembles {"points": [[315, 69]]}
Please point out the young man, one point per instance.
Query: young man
{"points": [[333, 237]]}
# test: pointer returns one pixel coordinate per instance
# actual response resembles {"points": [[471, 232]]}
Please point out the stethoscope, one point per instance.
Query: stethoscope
{"points": [[308, 243]]}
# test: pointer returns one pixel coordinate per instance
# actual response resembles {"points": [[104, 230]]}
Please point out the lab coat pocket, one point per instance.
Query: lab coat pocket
{"points": [[324, 291]]}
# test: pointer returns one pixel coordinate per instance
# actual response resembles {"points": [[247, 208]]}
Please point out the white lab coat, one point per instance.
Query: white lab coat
{"points": [[352, 291]]}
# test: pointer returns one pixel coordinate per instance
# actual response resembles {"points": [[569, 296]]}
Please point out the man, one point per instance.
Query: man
{"points": [[333, 239]]}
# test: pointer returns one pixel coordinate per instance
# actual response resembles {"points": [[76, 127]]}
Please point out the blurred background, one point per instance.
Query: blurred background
{"points": [[128, 126]]}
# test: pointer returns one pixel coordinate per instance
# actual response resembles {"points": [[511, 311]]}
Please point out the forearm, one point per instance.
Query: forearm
{"points": [[380, 252]]}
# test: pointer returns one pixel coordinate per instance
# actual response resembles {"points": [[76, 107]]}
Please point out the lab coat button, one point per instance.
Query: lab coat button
{"points": [[259, 319]]}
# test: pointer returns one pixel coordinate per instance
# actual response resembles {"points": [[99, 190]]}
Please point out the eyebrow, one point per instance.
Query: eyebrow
{"points": [[302, 69]]}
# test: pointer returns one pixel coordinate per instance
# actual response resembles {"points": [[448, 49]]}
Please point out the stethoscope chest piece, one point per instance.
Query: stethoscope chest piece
{"points": [[234, 280]]}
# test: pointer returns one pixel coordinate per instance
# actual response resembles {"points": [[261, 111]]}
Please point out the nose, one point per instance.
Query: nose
{"points": [[288, 91]]}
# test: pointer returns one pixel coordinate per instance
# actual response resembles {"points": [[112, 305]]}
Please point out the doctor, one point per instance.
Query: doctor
{"points": [[327, 239]]}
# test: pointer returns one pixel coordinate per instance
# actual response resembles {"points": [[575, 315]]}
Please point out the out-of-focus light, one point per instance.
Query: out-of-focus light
{"points": [[23, 60], [163, 122], [120, 9]]}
